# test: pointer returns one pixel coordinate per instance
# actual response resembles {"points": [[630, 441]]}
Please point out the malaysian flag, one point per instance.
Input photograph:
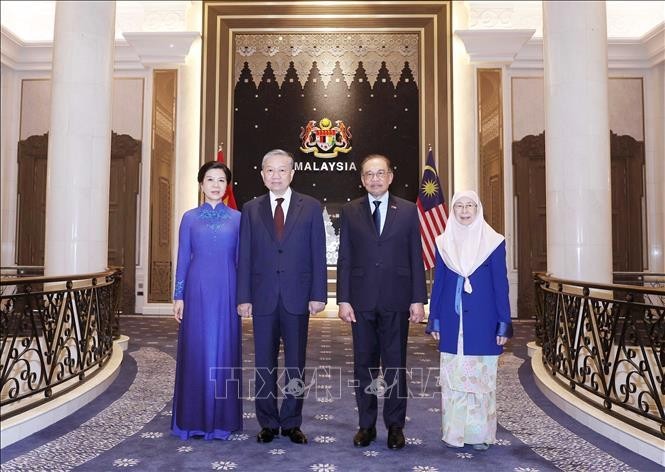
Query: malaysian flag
{"points": [[432, 211], [229, 199]]}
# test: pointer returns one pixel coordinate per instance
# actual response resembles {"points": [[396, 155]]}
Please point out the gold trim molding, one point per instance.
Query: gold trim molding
{"points": [[429, 19]]}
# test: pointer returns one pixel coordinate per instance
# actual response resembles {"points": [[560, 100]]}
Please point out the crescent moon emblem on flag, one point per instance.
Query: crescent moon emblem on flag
{"points": [[431, 169]]}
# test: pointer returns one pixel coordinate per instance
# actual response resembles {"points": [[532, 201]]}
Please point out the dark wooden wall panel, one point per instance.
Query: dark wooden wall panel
{"points": [[161, 185], [627, 160], [490, 146]]}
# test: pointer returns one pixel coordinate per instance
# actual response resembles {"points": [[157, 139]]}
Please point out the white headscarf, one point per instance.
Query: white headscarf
{"points": [[464, 248]]}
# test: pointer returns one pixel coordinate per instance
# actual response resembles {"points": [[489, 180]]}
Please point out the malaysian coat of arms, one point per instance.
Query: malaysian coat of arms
{"points": [[325, 140]]}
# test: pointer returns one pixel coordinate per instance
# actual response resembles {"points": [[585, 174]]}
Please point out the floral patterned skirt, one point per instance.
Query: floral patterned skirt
{"points": [[468, 397]]}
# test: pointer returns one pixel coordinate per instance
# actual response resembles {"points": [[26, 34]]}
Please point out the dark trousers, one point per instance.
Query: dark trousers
{"points": [[379, 340], [268, 331]]}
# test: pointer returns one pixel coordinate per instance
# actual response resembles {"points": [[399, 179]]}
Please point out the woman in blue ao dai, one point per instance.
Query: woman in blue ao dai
{"points": [[470, 317], [207, 394]]}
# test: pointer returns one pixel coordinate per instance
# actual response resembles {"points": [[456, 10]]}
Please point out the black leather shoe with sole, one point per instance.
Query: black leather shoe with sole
{"points": [[295, 435], [364, 437], [395, 438], [266, 435]]}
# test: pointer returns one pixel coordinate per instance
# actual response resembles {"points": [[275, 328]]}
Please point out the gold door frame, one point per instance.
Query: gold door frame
{"points": [[430, 19]]}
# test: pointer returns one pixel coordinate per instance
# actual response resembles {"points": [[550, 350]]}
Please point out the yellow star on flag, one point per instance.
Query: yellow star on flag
{"points": [[430, 188]]}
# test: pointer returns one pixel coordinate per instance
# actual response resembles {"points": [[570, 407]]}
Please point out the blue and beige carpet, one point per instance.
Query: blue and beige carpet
{"points": [[127, 427]]}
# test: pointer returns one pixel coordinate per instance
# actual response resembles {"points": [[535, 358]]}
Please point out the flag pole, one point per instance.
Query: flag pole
{"points": [[430, 271], [229, 198]]}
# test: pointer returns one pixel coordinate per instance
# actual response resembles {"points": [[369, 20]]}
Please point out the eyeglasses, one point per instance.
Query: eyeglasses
{"points": [[281, 172], [381, 174], [464, 206]]}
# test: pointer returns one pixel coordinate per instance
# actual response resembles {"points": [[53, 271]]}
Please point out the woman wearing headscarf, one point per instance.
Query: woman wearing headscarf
{"points": [[470, 318]]}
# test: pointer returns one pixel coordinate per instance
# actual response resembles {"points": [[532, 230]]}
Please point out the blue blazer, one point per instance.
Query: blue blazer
{"points": [[486, 310], [294, 268], [380, 272]]}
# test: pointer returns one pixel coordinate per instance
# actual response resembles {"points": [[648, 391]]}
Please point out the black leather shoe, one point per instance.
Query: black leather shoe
{"points": [[266, 435], [395, 438], [295, 435], [364, 436]]}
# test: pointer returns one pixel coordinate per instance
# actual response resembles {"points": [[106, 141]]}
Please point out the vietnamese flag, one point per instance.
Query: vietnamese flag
{"points": [[229, 199]]}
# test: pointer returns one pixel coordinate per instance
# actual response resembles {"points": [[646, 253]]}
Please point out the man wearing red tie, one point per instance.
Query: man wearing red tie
{"points": [[282, 280], [380, 288]]}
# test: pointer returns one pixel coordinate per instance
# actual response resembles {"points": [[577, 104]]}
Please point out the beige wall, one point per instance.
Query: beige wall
{"points": [[625, 103], [127, 107], [528, 106], [35, 107], [626, 107]]}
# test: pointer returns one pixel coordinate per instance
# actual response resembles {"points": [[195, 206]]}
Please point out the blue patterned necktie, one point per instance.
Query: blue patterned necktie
{"points": [[377, 216]]}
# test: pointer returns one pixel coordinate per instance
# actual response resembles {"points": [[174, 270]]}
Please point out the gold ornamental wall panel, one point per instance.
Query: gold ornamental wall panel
{"points": [[329, 82]]}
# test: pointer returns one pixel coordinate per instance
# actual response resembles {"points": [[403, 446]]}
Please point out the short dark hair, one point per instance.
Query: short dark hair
{"points": [[375, 156], [214, 165]]}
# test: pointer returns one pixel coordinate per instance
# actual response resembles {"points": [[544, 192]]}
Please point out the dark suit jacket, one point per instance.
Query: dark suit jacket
{"points": [[386, 272], [294, 268]]}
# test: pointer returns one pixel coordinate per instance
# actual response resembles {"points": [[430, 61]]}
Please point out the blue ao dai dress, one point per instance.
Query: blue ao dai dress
{"points": [[207, 393]]}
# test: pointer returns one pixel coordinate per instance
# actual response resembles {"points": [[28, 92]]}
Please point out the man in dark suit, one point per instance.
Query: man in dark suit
{"points": [[380, 287], [282, 280]]}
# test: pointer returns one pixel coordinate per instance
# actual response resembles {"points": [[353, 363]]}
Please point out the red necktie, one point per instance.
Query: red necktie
{"points": [[279, 218]]}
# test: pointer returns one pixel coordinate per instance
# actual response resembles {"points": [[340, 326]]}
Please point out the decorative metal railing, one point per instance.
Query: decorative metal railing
{"points": [[606, 343], [644, 279], [55, 333], [17, 272]]}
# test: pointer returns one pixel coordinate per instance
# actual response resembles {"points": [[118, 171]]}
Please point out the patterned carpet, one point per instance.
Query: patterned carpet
{"points": [[127, 427]]}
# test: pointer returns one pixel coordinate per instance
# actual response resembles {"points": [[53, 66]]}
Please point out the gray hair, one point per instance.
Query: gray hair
{"points": [[277, 152]]}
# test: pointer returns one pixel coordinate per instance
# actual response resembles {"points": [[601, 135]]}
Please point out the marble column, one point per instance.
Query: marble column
{"points": [[188, 123], [79, 148], [10, 107], [577, 142], [654, 141], [465, 153]]}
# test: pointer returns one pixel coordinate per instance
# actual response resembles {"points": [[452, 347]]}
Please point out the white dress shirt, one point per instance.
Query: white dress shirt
{"points": [[383, 208], [285, 203]]}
